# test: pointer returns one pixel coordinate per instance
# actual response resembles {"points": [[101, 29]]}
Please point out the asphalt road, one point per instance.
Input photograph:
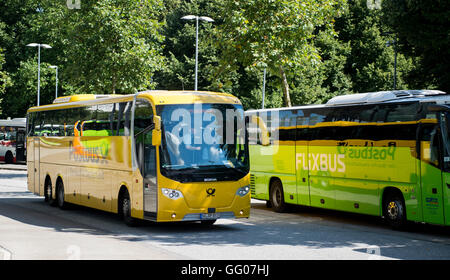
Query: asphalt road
{"points": [[30, 229]]}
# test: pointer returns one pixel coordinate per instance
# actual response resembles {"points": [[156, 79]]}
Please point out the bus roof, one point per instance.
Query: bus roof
{"points": [[382, 96], [158, 97], [379, 97], [20, 122]]}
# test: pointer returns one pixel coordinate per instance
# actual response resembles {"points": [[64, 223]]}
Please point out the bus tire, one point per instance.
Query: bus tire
{"points": [[125, 208], [394, 211], [9, 159], [277, 196], [48, 192], [60, 195]]}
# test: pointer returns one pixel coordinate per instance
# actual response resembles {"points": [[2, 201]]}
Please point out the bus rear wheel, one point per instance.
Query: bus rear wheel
{"points": [[277, 196], [60, 195], [394, 211], [48, 193]]}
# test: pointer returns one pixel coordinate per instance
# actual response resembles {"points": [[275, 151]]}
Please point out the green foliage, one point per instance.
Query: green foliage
{"points": [[422, 29], [312, 50], [109, 46], [276, 35]]}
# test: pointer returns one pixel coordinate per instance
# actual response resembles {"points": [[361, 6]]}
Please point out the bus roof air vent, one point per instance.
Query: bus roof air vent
{"points": [[380, 96], [80, 97]]}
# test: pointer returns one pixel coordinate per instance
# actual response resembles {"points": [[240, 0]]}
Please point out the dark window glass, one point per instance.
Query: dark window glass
{"points": [[46, 123], [145, 151], [287, 125], [72, 121], [123, 117], [143, 115], [58, 123], [30, 124], [89, 120], [105, 119]]}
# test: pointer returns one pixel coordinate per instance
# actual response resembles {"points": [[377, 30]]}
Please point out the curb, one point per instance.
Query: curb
{"points": [[18, 167]]}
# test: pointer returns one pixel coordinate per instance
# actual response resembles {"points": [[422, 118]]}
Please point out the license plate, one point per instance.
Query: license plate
{"points": [[209, 216]]}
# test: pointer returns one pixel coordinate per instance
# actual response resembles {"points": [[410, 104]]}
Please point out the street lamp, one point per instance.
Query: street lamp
{"points": [[56, 69], [39, 46], [197, 18], [393, 43]]}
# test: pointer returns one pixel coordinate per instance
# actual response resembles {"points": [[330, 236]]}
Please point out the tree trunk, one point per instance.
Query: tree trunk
{"points": [[285, 85]]}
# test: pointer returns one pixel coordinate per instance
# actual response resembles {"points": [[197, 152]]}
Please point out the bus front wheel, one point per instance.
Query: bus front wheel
{"points": [[277, 196], [125, 209], [394, 211]]}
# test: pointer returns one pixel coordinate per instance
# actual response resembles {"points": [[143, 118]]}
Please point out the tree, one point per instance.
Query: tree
{"points": [[108, 46], [276, 35], [4, 77], [370, 62], [422, 29]]}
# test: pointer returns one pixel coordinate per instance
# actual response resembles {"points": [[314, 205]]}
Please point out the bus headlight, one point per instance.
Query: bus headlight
{"points": [[171, 193], [243, 191]]}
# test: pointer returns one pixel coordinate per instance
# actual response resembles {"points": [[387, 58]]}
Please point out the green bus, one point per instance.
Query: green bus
{"points": [[381, 153]]}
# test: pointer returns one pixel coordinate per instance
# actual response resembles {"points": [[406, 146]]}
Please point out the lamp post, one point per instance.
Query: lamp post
{"points": [[56, 78], [264, 88], [197, 18], [39, 46], [393, 43]]}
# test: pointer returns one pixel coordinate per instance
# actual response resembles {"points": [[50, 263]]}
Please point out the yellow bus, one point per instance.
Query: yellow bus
{"points": [[156, 155]]}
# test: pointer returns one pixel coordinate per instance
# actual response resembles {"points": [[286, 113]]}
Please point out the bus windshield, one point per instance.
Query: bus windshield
{"points": [[203, 142]]}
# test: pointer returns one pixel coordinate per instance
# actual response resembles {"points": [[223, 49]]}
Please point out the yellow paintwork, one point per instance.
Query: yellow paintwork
{"points": [[94, 168]]}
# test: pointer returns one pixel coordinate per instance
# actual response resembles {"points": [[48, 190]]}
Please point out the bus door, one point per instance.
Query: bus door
{"points": [[444, 124], [431, 175], [146, 156], [20, 145], [37, 165], [302, 160]]}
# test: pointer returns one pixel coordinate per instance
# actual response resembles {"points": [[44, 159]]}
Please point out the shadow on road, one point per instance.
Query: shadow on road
{"points": [[304, 227]]}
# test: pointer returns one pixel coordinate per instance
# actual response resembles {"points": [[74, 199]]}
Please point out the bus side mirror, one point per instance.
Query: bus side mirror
{"points": [[264, 133], [156, 132]]}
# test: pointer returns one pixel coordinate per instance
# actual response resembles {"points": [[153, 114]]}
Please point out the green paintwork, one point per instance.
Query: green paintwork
{"points": [[352, 178]]}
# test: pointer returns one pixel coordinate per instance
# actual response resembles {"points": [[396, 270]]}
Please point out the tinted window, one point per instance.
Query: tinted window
{"points": [[105, 119], [123, 117], [287, 126], [89, 120], [143, 115]]}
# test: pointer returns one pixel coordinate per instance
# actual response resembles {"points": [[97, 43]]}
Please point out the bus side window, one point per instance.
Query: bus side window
{"points": [[287, 125], [89, 120], [429, 144], [73, 116], [145, 151], [59, 119], [105, 119], [30, 124], [37, 124], [123, 117]]}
